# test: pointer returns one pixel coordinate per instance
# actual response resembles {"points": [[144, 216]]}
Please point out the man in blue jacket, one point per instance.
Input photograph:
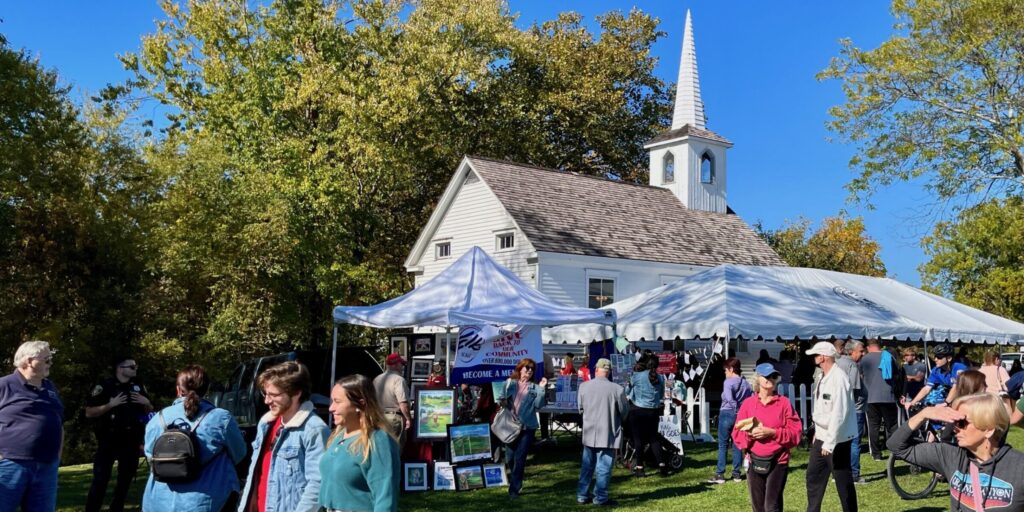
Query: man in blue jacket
{"points": [[284, 474]]}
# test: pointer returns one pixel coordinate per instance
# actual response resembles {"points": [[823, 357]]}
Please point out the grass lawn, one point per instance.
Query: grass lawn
{"points": [[552, 472]]}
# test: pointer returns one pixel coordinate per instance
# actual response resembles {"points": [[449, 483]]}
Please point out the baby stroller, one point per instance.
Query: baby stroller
{"points": [[671, 455]]}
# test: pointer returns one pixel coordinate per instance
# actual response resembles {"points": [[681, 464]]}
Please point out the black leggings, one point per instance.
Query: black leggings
{"points": [[644, 426]]}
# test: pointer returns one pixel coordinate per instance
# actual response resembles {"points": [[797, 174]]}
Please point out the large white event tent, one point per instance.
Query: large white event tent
{"points": [[752, 302], [471, 291]]}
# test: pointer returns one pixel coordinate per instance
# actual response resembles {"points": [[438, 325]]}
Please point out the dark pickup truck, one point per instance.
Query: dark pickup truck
{"points": [[242, 398]]}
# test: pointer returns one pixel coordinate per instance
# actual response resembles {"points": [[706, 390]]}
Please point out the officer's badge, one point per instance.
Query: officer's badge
{"points": [[97, 390]]}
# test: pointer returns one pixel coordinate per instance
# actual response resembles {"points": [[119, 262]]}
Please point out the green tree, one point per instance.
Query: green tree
{"points": [[978, 259], [943, 99], [73, 189], [840, 244], [307, 144]]}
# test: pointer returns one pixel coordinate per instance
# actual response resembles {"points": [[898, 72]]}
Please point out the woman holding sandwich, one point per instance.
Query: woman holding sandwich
{"points": [[767, 428]]}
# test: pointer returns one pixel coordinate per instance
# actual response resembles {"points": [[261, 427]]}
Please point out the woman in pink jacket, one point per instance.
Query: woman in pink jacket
{"points": [[776, 429]]}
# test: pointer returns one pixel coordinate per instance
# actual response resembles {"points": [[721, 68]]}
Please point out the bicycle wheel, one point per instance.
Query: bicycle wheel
{"points": [[909, 481]]}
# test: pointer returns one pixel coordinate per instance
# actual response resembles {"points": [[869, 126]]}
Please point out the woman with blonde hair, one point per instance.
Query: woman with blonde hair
{"points": [[982, 472], [360, 469]]}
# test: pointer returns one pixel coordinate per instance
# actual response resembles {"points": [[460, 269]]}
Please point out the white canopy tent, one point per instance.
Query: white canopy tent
{"points": [[473, 290], [752, 302]]}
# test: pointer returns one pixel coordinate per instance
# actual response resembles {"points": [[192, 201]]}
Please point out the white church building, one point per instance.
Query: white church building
{"points": [[588, 241]]}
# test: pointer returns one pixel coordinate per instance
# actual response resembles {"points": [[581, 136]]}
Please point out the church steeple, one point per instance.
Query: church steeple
{"points": [[689, 107], [689, 159]]}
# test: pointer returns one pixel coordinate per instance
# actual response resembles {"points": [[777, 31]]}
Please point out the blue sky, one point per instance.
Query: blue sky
{"points": [[757, 62]]}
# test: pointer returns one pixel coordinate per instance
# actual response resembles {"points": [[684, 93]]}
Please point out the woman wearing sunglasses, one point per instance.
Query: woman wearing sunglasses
{"points": [[524, 397], [767, 428], [983, 473]]}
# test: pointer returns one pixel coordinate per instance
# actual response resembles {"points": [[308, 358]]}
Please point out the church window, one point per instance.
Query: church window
{"points": [[443, 250], [600, 292], [669, 168], [505, 241], [707, 168]]}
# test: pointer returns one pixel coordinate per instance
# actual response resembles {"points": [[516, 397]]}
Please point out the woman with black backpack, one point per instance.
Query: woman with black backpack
{"points": [[192, 448]]}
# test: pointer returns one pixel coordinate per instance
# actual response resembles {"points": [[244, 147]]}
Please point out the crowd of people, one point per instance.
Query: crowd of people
{"points": [[298, 463]]}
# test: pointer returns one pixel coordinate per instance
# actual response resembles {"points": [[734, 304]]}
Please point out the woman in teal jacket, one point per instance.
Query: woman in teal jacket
{"points": [[525, 397], [221, 446], [360, 470]]}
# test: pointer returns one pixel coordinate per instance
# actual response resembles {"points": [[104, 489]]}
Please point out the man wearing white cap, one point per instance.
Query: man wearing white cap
{"points": [[835, 427]]}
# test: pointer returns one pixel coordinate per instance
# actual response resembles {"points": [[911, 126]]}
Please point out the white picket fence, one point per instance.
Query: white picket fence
{"points": [[699, 428]]}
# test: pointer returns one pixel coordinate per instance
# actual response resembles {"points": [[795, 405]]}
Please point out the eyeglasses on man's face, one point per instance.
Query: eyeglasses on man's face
{"points": [[129, 366]]}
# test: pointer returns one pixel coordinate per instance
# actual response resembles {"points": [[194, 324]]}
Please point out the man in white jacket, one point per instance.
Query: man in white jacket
{"points": [[835, 427]]}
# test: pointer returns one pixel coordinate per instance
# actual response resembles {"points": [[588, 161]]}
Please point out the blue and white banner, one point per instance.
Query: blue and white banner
{"points": [[486, 353]]}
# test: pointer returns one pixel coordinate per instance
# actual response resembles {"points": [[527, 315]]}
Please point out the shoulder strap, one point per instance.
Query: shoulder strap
{"points": [[195, 426], [160, 415]]}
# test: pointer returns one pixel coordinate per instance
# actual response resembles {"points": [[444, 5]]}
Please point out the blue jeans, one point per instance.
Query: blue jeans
{"points": [[855, 447], [602, 458], [515, 454], [726, 420], [32, 485]]}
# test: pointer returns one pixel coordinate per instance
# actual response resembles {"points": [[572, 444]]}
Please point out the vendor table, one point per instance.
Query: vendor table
{"points": [[565, 420]]}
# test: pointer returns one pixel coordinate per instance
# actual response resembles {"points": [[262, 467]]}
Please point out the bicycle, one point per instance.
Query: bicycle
{"points": [[909, 481]]}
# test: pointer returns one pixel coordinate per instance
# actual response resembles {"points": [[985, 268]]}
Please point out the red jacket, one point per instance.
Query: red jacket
{"points": [[778, 414]]}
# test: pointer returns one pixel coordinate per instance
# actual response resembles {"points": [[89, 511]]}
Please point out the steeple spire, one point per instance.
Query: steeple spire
{"points": [[689, 107]]}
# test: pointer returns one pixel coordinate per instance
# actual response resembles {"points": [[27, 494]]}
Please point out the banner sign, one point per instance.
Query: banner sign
{"points": [[486, 353], [667, 363]]}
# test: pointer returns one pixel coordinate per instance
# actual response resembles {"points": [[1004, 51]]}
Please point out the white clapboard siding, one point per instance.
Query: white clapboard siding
{"points": [[475, 218]]}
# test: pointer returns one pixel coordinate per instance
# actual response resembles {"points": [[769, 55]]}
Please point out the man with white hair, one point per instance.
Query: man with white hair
{"points": [[835, 426], [31, 432]]}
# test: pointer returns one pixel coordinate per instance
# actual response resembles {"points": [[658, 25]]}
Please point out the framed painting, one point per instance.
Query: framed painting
{"points": [[414, 476], [469, 442], [399, 345], [495, 476], [435, 411], [422, 344], [420, 369], [468, 478]]}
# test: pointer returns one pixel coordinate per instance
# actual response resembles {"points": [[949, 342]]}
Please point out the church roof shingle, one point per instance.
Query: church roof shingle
{"points": [[562, 212]]}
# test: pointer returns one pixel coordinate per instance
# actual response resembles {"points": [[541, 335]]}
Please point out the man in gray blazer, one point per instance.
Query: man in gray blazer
{"points": [[603, 406]]}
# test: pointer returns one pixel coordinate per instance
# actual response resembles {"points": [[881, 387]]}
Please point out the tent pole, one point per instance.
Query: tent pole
{"points": [[334, 364], [447, 356]]}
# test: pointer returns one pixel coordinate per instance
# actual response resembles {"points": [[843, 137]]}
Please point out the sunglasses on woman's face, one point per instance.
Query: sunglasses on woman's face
{"points": [[961, 424]]}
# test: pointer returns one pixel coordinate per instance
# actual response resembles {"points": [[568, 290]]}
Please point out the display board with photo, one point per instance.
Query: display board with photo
{"points": [[469, 442], [421, 367], [435, 411], [422, 344], [469, 477], [444, 477]]}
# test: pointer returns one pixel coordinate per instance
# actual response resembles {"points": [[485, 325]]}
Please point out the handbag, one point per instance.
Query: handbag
{"points": [[506, 425], [762, 465]]}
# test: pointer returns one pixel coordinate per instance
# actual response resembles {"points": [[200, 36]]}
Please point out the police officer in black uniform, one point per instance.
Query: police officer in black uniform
{"points": [[119, 406]]}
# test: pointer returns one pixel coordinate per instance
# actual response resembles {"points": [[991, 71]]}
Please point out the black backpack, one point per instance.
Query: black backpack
{"points": [[176, 452]]}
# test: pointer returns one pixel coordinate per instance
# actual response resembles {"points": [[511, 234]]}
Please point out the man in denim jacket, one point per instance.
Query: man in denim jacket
{"points": [[284, 474]]}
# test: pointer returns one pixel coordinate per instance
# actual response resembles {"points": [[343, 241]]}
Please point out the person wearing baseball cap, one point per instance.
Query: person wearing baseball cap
{"points": [[835, 427], [393, 396], [603, 406], [767, 428]]}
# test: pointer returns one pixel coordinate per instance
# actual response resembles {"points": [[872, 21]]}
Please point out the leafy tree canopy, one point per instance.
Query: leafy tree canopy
{"points": [[942, 100], [308, 142], [840, 244], [978, 259]]}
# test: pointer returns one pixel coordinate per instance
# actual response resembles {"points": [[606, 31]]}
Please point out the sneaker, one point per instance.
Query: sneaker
{"points": [[663, 470], [736, 477], [717, 479], [860, 481], [877, 458], [639, 472], [585, 501]]}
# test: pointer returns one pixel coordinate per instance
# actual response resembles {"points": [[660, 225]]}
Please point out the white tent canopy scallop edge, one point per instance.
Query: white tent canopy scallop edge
{"points": [[759, 302]]}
